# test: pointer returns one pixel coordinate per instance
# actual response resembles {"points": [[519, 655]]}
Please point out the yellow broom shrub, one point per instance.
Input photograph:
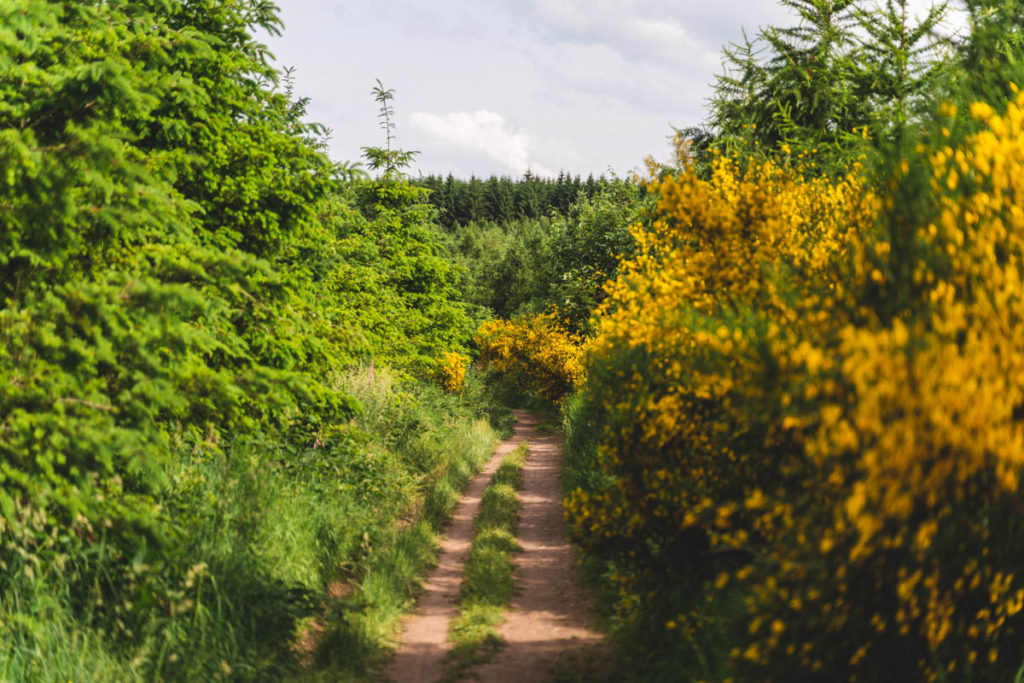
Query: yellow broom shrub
{"points": [[782, 369], [535, 351], [451, 371]]}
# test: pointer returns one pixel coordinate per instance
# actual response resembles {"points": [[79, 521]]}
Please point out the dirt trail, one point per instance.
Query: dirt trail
{"points": [[550, 616]]}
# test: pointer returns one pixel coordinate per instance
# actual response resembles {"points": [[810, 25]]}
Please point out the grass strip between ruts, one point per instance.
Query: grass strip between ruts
{"points": [[488, 575]]}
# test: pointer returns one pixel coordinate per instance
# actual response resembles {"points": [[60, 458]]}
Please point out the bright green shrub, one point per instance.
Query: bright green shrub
{"points": [[527, 266], [179, 479], [396, 297]]}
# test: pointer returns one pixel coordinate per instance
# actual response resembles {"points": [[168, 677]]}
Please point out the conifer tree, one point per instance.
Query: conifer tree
{"points": [[898, 63], [992, 53], [529, 199], [389, 159], [792, 85], [739, 106], [809, 74]]}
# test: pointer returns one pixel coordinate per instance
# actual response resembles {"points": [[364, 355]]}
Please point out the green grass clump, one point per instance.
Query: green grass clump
{"points": [[289, 564], [444, 442], [488, 576]]}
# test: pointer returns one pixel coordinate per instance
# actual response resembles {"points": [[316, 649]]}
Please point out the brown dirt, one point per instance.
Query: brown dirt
{"points": [[420, 659], [550, 622]]}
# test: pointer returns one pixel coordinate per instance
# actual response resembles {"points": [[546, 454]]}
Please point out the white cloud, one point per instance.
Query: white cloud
{"points": [[644, 31], [582, 85], [481, 133]]}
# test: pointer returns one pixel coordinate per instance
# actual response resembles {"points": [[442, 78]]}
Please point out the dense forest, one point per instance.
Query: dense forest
{"points": [[502, 199], [242, 386]]}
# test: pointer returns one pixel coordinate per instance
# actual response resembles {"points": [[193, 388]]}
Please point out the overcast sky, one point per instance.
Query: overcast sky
{"points": [[499, 86]]}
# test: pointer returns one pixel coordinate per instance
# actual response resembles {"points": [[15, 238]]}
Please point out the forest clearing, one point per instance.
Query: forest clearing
{"points": [[252, 397]]}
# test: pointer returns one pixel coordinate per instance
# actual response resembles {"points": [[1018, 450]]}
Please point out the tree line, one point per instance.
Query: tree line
{"points": [[503, 199]]}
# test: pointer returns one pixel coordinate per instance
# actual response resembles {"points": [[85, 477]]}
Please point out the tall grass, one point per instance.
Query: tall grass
{"points": [[445, 447], [41, 641], [290, 565]]}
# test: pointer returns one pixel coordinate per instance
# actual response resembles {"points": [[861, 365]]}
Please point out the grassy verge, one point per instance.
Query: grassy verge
{"points": [[487, 584], [292, 564], [445, 446]]}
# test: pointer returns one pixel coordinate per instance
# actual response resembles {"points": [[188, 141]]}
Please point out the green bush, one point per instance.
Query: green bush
{"points": [[180, 477]]}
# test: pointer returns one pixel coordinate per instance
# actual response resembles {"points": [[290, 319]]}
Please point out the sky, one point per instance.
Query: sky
{"points": [[497, 87]]}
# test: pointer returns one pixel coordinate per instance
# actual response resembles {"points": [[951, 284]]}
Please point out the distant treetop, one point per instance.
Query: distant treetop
{"points": [[502, 198]]}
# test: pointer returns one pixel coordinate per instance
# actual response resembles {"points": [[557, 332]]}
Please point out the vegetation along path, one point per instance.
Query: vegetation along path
{"points": [[550, 616]]}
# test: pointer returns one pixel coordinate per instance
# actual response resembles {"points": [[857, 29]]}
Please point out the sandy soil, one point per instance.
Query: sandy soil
{"points": [[550, 621]]}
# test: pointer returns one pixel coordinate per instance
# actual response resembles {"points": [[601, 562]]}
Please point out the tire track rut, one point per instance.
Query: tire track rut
{"points": [[550, 617]]}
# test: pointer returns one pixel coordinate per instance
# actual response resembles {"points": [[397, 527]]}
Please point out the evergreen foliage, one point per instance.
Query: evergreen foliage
{"points": [[988, 56], [899, 64], [140, 282], [388, 159], [183, 277], [504, 200], [842, 73]]}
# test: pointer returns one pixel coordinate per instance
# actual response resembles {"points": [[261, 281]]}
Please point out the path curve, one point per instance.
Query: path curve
{"points": [[550, 615]]}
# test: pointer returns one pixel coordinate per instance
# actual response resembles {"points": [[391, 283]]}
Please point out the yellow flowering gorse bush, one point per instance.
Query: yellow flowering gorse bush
{"points": [[535, 351], [772, 421], [452, 371], [736, 268]]}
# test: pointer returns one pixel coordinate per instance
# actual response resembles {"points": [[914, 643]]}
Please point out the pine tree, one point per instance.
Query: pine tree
{"points": [[391, 160], [898, 63], [810, 74], [992, 55], [741, 103], [529, 200], [792, 85]]}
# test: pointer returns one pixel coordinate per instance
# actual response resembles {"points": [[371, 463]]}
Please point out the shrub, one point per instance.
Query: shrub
{"points": [[535, 352], [810, 397], [452, 372]]}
